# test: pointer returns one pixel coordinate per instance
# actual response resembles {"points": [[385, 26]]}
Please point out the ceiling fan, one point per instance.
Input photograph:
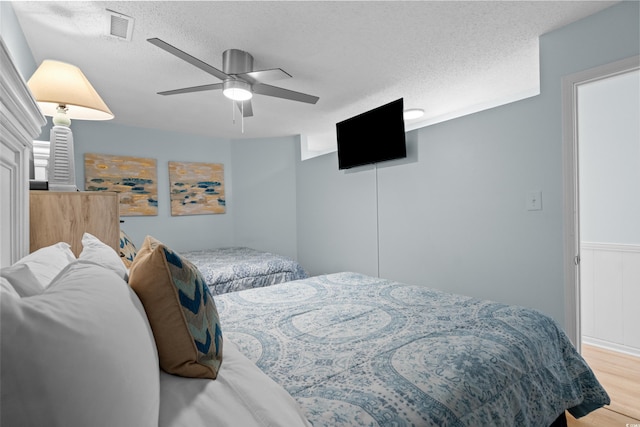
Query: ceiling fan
{"points": [[239, 80]]}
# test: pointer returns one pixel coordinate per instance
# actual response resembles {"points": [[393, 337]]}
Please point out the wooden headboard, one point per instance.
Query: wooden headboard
{"points": [[20, 122]]}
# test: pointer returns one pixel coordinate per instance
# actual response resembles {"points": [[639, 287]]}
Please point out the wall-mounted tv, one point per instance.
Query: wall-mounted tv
{"points": [[371, 137]]}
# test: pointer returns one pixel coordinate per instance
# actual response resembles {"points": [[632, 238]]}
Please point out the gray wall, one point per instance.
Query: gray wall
{"points": [[453, 214], [14, 40], [179, 232], [336, 217], [609, 129], [259, 186], [264, 177]]}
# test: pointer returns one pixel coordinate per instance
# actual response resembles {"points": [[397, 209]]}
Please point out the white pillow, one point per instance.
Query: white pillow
{"points": [[6, 287], [241, 395], [79, 354], [22, 280], [47, 262], [95, 250]]}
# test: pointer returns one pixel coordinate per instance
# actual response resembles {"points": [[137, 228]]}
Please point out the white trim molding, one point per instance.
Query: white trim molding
{"points": [[20, 122], [616, 247], [611, 346]]}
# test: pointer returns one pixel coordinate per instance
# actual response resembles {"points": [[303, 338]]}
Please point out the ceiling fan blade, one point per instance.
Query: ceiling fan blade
{"points": [[213, 86], [264, 76], [245, 108], [279, 92], [190, 59]]}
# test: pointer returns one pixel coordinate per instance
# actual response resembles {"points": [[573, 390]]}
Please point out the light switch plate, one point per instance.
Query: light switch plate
{"points": [[534, 200]]}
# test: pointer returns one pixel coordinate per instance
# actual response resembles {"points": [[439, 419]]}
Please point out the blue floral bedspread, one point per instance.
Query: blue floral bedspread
{"points": [[233, 269], [355, 350]]}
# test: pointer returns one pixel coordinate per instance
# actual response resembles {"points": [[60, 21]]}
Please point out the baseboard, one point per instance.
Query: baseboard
{"points": [[611, 346], [615, 247]]}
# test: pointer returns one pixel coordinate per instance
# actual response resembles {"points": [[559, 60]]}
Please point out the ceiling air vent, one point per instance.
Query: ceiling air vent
{"points": [[120, 26]]}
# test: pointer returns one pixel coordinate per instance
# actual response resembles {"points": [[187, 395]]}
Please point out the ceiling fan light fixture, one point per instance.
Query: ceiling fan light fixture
{"points": [[237, 90]]}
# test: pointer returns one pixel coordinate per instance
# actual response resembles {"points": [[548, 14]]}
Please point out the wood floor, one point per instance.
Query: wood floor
{"points": [[619, 374]]}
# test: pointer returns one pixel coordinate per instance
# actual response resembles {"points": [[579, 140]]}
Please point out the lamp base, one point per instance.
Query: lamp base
{"points": [[62, 174]]}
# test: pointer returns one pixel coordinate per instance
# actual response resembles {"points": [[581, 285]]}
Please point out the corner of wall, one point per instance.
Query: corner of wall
{"points": [[15, 41]]}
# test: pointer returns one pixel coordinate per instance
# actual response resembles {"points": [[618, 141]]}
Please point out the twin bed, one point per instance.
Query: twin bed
{"points": [[230, 269], [343, 349], [237, 268]]}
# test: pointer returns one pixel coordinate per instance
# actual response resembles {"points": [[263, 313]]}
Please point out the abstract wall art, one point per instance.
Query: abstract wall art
{"points": [[196, 188], [135, 178]]}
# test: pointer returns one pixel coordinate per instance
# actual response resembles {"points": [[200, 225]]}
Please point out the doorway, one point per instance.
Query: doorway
{"points": [[572, 86], [609, 205], [601, 149]]}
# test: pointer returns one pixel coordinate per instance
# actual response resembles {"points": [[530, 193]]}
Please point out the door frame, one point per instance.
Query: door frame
{"points": [[571, 187]]}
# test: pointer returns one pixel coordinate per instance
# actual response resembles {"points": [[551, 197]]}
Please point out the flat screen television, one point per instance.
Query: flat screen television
{"points": [[371, 137]]}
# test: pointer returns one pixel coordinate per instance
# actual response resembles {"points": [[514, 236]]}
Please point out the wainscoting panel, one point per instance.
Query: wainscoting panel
{"points": [[610, 295], [631, 298]]}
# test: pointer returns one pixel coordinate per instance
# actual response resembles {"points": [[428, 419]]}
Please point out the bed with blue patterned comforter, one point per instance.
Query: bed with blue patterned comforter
{"points": [[236, 268], [360, 351]]}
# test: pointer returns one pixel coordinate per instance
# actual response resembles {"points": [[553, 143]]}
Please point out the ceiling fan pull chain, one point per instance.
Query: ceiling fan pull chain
{"points": [[242, 118], [233, 112]]}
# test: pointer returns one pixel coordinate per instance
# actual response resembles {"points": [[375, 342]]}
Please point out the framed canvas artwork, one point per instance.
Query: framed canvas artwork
{"points": [[196, 188], [135, 178]]}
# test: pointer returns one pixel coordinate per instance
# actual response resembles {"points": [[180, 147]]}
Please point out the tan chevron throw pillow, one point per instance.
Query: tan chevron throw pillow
{"points": [[181, 311]]}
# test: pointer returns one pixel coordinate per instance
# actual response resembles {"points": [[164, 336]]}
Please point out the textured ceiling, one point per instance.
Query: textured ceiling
{"points": [[445, 57]]}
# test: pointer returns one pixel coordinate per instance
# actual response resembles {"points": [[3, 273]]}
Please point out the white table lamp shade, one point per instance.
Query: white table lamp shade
{"points": [[57, 83]]}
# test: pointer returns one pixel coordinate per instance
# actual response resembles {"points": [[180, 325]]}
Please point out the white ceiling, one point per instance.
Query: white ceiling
{"points": [[445, 57]]}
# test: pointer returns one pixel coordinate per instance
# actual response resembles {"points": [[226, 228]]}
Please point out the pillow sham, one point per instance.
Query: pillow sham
{"points": [[181, 311], [93, 249], [47, 262], [22, 280], [79, 354], [128, 250]]}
